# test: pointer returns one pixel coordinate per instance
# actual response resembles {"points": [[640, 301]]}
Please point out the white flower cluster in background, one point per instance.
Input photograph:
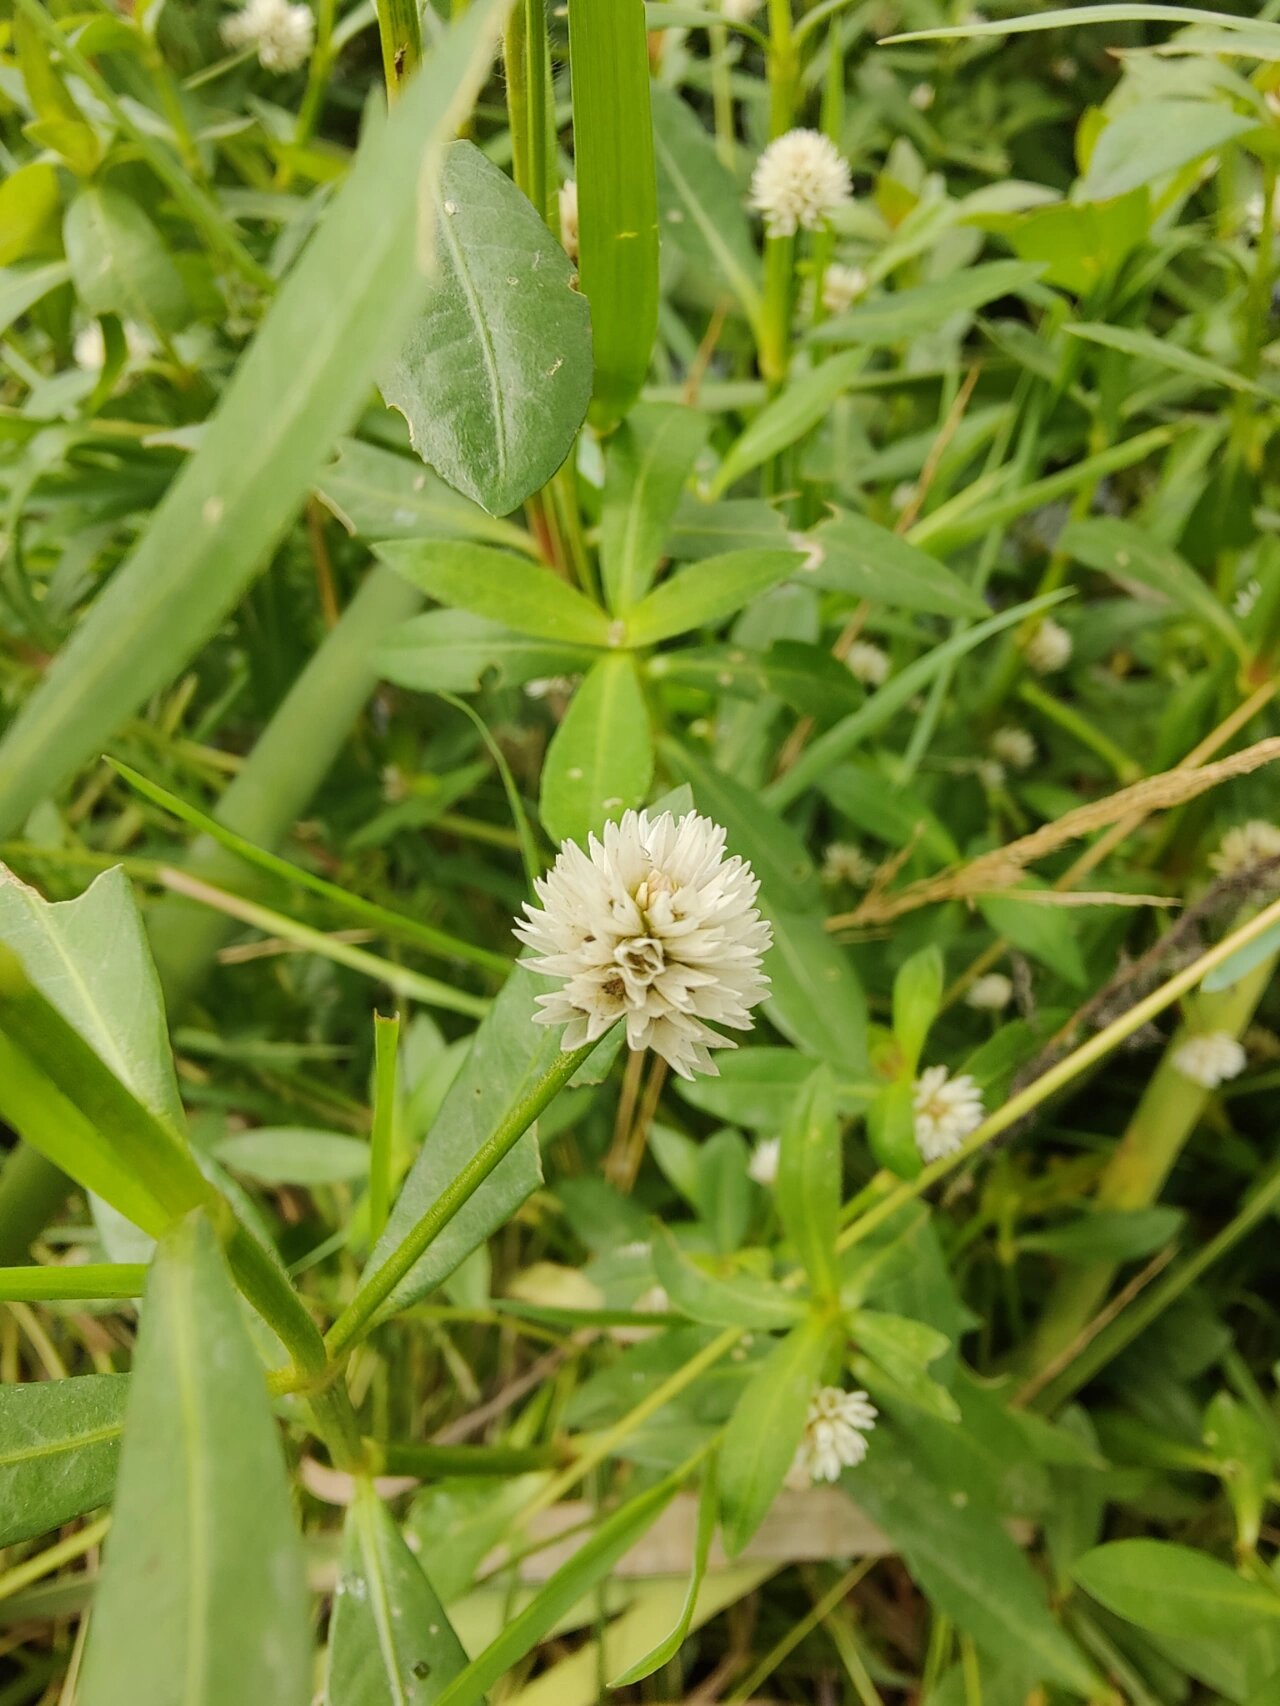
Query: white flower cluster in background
{"points": [[569, 217], [842, 286], [844, 863], [867, 663], [281, 34], [1048, 648], [1244, 846], [763, 1165], [946, 1111], [835, 1436], [799, 182], [653, 924], [740, 11], [989, 994], [1210, 1058], [1014, 747]]}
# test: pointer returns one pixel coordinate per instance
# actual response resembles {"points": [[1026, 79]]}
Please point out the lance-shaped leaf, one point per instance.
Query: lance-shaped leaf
{"points": [[59, 1442]]}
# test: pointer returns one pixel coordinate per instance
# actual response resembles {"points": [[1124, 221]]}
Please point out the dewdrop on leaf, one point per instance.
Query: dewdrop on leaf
{"points": [[654, 925]]}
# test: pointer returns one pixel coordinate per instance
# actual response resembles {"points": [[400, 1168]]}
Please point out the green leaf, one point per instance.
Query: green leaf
{"points": [[650, 457], [119, 262], [495, 375], [59, 1443], [958, 1552], [390, 1642], [29, 203], [714, 1291], [702, 212], [500, 587], [376, 494], [453, 651], [617, 194], [1155, 138], [293, 1155], [1172, 1590], [917, 996], [1147, 347], [1077, 17], [807, 677], [765, 1429], [1242, 1444], [867, 561], [1047, 933], [756, 1087], [810, 1186], [886, 701], [669, 1646], [1243, 961], [590, 1564], [306, 375], [806, 400], [896, 1342], [891, 1130], [508, 1054], [202, 1596], [778, 856], [1107, 1235], [706, 593], [815, 998], [921, 308], [600, 761], [22, 287], [1129, 553]]}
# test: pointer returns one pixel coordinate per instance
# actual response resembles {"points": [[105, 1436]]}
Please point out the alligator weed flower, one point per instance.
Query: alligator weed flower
{"points": [[1014, 747], [655, 925], [1049, 647], [991, 993], [1245, 846], [283, 34], [799, 181], [947, 1109], [867, 663], [835, 1436], [1210, 1058], [568, 197], [763, 1165]]}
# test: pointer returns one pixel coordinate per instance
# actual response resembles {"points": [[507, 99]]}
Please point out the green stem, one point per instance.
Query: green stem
{"points": [[784, 68], [431, 1460], [317, 80], [775, 331], [378, 1287], [71, 1284], [386, 1041], [400, 31]]}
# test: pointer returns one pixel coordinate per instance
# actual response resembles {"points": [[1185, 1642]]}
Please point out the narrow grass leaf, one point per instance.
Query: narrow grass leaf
{"points": [[906, 313], [1129, 553], [1146, 347], [666, 1649], [202, 1597]]}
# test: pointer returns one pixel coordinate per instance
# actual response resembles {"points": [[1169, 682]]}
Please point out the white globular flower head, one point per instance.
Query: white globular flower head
{"points": [[946, 1110], [1049, 647], [867, 663], [799, 182], [282, 34], [1210, 1058], [922, 97], [1245, 846], [763, 1165], [569, 217], [989, 994], [842, 286], [990, 772], [1014, 747], [655, 925], [740, 11], [844, 863], [835, 1436]]}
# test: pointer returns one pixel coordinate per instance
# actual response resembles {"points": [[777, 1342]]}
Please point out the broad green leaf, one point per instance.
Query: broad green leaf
{"points": [[1173, 1590], [905, 1383], [917, 996], [896, 1342], [724, 1195], [292, 1155], [495, 375], [706, 593], [649, 459], [765, 1428], [886, 701], [1106, 1235], [756, 1087], [891, 1130], [59, 1443], [810, 1185], [376, 494], [1128, 552], [1046, 932], [1148, 347], [390, 1641], [805, 400], [508, 1054], [778, 856], [714, 1291], [1078, 244], [454, 651], [499, 586], [307, 374], [867, 561], [704, 529], [29, 203], [203, 1596], [617, 195], [58, 1093], [815, 997], [119, 261], [669, 1646], [1155, 138], [701, 205], [958, 1552], [22, 287], [590, 1564], [905, 314], [600, 761], [1242, 1444]]}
